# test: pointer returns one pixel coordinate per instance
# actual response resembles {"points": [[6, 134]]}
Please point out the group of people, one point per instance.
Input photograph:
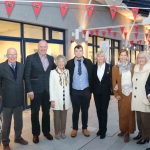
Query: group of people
{"points": [[60, 84]]}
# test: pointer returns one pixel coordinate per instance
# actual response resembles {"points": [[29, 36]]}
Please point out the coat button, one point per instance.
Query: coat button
{"points": [[134, 96], [135, 87], [136, 79]]}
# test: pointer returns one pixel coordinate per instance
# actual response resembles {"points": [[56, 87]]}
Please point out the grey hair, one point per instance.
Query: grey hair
{"points": [[59, 57], [100, 53], [145, 55]]}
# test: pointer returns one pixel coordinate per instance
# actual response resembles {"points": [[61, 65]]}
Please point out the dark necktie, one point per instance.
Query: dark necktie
{"points": [[13, 67], [79, 67]]}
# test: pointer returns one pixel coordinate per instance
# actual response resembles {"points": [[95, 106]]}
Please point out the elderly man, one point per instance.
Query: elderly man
{"points": [[37, 71], [11, 75]]}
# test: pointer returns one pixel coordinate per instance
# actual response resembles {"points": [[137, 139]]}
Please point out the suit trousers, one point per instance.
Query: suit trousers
{"points": [[143, 122], [40, 99], [18, 123], [60, 117], [101, 103], [80, 100]]}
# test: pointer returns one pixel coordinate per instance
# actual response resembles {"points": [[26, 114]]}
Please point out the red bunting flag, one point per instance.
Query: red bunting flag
{"points": [[146, 36], [135, 12], [122, 29], [125, 34], [114, 34], [84, 32], [37, 7], [136, 35], [137, 42], [140, 41], [136, 28], [9, 6], [103, 33], [96, 32], [113, 10], [64, 8], [131, 42], [90, 9], [109, 30], [91, 32]]}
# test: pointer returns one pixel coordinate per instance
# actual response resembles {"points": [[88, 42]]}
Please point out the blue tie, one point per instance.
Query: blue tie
{"points": [[13, 67], [79, 67]]}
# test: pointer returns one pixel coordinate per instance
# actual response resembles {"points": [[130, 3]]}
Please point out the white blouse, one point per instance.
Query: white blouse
{"points": [[100, 71]]}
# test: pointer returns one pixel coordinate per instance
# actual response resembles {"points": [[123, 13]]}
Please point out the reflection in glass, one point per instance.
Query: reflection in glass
{"points": [[90, 40], [57, 35]]}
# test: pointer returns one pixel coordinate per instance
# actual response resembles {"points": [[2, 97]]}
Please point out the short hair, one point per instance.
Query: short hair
{"points": [[59, 57], [101, 53], [123, 50], [78, 47], [145, 55]]}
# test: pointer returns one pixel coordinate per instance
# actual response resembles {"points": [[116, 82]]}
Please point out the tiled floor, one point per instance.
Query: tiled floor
{"points": [[111, 142]]}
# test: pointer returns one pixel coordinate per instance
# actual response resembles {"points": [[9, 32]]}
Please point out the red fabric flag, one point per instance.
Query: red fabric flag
{"points": [[96, 32], [90, 9], [140, 41], [103, 33], [63, 9], [136, 28], [131, 42], [109, 30], [135, 12], [114, 34], [122, 29], [136, 35], [9, 6], [84, 32], [146, 36], [137, 42], [37, 7], [113, 10], [91, 32], [125, 34]]}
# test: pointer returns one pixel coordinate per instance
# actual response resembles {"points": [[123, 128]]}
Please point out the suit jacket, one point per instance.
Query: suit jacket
{"points": [[89, 66], [12, 90], [104, 86], [36, 79]]}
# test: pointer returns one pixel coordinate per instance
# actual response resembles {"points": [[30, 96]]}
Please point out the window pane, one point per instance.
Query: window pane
{"points": [[116, 56], [34, 32], [47, 33], [133, 56], [31, 48], [99, 39], [9, 29], [116, 44], [57, 35], [90, 40]]}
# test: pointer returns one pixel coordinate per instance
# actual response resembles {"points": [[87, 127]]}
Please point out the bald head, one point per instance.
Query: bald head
{"points": [[11, 50], [12, 55], [42, 47]]}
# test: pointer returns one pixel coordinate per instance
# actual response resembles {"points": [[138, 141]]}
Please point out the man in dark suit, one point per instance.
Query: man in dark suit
{"points": [[37, 71], [11, 75], [80, 70]]}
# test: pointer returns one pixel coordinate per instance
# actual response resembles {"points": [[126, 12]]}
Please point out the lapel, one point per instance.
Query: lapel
{"points": [[18, 68], [39, 60], [50, 62]]}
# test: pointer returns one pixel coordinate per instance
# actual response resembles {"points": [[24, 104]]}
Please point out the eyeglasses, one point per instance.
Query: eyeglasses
{"points": [[10, 55]]}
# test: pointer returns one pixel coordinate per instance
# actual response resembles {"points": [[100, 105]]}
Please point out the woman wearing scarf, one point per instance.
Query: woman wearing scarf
{"points": [[60, 95], [140, 102], [122, 75]]}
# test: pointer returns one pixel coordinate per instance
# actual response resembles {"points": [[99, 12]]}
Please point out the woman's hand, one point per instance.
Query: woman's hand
{"points": [[118, 98], [116, 87], [53, 104]]}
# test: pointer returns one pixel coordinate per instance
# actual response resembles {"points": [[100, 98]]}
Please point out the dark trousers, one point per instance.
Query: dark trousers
{"points": [[40, 99], [101, 103], [18, 123], [80, 100]]}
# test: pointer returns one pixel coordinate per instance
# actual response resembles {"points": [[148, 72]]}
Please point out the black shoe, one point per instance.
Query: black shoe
{"points": [[137, 137], [148, 148], [141, 141], [48, 136], [102, 136], [35, 139], [98, 133]]}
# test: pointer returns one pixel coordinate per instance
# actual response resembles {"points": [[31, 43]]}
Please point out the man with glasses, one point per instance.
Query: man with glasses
{"points": [[11, 76]]}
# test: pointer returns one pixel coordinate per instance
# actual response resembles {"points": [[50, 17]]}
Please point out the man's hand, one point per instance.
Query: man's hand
{"points": [[31, 95], [118, 98], [53, 104]]}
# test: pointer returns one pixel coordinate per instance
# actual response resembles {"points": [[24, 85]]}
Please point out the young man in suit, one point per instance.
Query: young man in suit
{"points": [[37, 71], [11, 76], [80, 70]]}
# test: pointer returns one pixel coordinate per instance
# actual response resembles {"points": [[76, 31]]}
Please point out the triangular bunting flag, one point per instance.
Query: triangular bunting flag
{"points": [[125, 34], [136, 35], [37, 7], [91, 32], [103, 33], [122, 29], [113, 10], [131, 42], [96, 32], [9, 6], [114, 34], [84, 32], [135, 12], [146, 36], [90, 9], [109, 30], [140, 41], [136, 28], [64, 8], [137, 42]]}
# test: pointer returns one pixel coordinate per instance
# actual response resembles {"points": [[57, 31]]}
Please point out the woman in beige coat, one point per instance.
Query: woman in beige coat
{"points": [[140, 103], [60, 95]]}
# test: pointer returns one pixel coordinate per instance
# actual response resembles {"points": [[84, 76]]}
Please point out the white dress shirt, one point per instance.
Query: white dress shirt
{"points": [[100, 71]]}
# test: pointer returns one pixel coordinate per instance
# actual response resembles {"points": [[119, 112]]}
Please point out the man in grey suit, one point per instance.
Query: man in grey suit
{"points": [[37, 71], [11, 75]]}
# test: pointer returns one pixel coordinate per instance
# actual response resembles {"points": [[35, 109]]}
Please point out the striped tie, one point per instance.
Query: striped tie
{"points": [[13, 67]]}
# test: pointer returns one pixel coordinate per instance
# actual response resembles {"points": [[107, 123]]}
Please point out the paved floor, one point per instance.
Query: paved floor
{"points": [[111, 142]]}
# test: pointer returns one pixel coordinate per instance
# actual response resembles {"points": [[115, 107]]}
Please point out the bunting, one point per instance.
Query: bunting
{"points": [[122, 29], [114, 34], [9, 6], [103, 33], [109, 30], [91, 32], [63, 9], [37, 7], [131, 42], [135, 12], [125, 34], [136, 35], [113, 10], [97, 32], [90, 9]]}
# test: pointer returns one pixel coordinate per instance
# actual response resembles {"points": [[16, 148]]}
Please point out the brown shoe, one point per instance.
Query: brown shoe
{"points": [[121, 134], [126, 137], [6, 147], [35, 139], [74, 133], [21, 141], [86, 132], [48, 136]]}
